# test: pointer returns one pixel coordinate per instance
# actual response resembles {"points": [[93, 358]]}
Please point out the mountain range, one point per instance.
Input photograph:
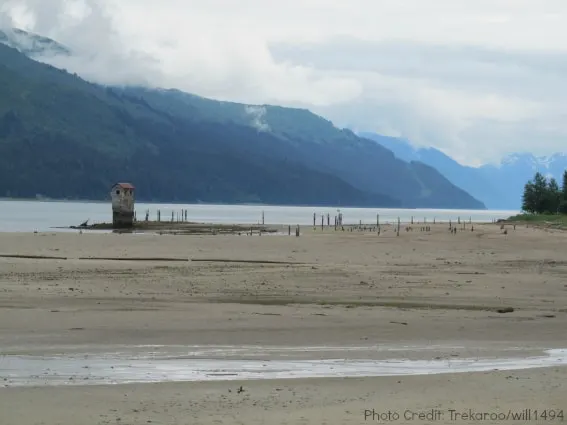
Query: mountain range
{"points": [[498, 186], [63, 137]]}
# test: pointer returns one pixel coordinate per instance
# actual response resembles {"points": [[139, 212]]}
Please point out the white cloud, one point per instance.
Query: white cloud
{"points": [[475, 79], [258, 114]]}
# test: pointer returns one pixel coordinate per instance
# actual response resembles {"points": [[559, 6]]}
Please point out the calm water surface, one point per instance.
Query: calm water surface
{"points": [[28, 216]]}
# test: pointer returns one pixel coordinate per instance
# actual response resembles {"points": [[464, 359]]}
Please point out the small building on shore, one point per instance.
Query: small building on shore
{"points": [[122, 195]]}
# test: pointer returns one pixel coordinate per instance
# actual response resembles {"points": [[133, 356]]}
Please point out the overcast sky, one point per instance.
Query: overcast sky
{"points": [[477, 79]]}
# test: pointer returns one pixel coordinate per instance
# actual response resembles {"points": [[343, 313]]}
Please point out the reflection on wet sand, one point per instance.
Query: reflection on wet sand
{"points": [[115, 368]]}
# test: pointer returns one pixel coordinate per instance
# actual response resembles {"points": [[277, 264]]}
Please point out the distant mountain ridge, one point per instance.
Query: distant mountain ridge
{"points": [[127, 127], [317, 143], [51, 145], [498, 186]]}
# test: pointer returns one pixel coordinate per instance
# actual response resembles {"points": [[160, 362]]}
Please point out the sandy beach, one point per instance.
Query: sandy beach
{"points": [[421, 296]]}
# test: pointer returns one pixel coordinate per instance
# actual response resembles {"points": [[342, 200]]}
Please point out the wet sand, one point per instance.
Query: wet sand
{"points": [[323, 289]]}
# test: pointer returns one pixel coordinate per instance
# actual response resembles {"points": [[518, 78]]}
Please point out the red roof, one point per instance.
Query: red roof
{"points": [[125, 185]]}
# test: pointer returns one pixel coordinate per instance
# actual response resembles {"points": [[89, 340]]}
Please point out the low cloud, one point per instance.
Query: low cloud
{"points": [[258, 114], [475, 79], [111, 48], [85, 28], [476, 104]]}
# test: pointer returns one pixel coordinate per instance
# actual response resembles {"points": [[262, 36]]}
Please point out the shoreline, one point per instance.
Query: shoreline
{"points": [[36, 216]]}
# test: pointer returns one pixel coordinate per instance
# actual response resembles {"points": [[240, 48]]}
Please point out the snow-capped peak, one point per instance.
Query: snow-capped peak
{"points": [[544, 162]]}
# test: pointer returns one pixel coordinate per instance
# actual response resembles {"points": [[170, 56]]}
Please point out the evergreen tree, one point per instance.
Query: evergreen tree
{"points": [[542, 196], [553, 197], [540, 193], [563, 203], [528, 199]]}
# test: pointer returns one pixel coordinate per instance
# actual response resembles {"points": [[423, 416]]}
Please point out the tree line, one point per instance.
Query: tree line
{"points": [[544, 196]]}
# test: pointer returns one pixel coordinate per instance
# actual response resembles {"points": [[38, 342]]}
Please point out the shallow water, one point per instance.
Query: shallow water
{"points": [[29, 216], [121, 368]]}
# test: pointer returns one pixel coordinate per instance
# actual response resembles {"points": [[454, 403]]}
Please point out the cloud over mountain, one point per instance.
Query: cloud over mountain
{"points": [[475, 79]]}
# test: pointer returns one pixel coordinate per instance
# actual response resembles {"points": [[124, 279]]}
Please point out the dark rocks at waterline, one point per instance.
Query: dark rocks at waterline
{"points": [[180, 228]]}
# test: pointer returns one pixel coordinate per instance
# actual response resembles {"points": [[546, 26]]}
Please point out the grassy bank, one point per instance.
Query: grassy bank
{"points": [[551, 220]]}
